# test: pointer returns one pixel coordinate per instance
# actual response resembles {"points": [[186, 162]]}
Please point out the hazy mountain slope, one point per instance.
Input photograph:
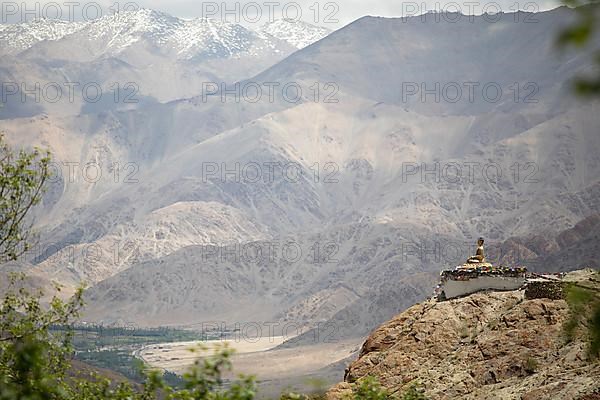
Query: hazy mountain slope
{"points": [[359, 167], [266, 281], [159, 233], [126, 146], [370, 184], [395, 52], [573, 248]]}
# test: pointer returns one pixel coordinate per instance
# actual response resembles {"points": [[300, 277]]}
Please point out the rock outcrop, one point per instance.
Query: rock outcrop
{"points": [[494, 345]]}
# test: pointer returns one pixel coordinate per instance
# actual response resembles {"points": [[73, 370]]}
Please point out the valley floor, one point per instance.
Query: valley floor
{"points": [[276, 369]]}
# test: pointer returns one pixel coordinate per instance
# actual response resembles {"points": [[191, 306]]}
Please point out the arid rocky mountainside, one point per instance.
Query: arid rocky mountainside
{"points": [[572, 248], [494, 345]]}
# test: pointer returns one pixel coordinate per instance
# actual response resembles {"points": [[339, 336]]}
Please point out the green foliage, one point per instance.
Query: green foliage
{"points": [[474, 334], [369, 388], [112, 347], [22, 179], [414, 392], [317, 392], [33, 363], [584, 314], [121, 361], [463, 331], [531, 365], [579, 35], [293, 396], [297, 396], [594, 332]]}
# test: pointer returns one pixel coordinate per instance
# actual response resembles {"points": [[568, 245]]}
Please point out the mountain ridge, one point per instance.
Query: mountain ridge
{"points": [[126, 27]]}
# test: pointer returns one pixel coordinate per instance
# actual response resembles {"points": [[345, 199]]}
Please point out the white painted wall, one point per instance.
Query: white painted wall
{"points": [[461, 288]]}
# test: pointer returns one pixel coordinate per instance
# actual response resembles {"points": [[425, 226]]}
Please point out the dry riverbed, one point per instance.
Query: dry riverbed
{"points": [[260, 358]]}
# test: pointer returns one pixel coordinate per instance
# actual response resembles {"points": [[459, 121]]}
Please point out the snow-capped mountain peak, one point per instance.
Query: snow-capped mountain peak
{"points": [[18, 37], [188, 38], [297, 33]]}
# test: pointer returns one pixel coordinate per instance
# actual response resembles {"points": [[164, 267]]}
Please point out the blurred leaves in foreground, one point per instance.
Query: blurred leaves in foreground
{"points": [[580, 34], [23, 176], [584, 316]]}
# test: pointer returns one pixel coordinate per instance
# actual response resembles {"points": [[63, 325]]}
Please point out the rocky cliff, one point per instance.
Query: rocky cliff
{"points": [[494, 345]]}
